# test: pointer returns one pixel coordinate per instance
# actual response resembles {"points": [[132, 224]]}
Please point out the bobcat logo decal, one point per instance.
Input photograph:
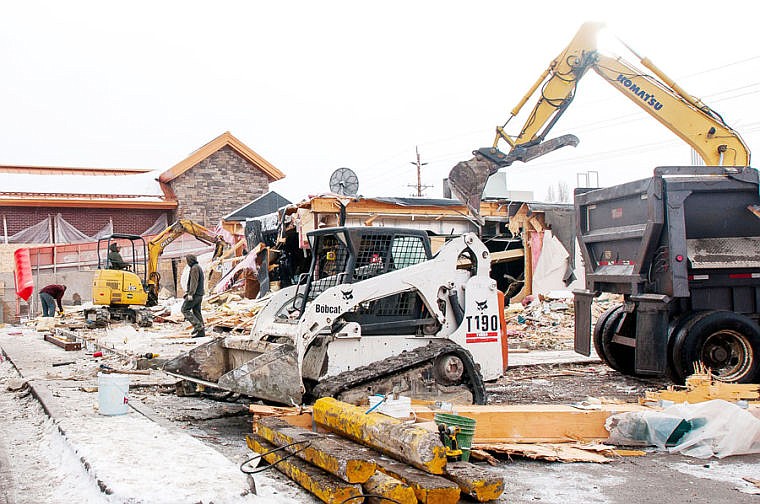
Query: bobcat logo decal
{"points": [[482, 305], [347, 295]]}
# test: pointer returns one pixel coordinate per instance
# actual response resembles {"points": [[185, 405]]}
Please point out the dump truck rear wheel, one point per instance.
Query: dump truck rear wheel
{"points": [[599, 327], [727, 343], [619, 357]]}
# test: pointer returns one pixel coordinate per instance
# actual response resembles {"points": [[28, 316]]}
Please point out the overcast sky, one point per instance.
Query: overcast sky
{"points": [[315, 86]]}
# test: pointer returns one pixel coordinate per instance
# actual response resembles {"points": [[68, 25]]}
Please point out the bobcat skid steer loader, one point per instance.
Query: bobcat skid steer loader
{"points": [[375, 314]]}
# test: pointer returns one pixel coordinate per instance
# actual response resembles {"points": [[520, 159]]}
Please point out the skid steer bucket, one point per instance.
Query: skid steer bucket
{"points": [[264, 370]]}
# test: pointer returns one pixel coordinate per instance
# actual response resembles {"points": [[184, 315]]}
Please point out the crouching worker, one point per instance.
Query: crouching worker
{"points": [[191, 308], [49, 296]]}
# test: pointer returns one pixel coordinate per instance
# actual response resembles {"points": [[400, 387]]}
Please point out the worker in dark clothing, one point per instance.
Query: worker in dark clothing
{"points": [[114, 258], [191, 308], [50, 295]]}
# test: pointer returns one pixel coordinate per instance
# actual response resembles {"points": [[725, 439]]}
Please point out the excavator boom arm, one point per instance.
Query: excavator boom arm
{"points": [[157, 245], [692, 121], [686, 116]]}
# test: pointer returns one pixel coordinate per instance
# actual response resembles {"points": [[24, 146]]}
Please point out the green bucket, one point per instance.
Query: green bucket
{"points": [[466, 431]]}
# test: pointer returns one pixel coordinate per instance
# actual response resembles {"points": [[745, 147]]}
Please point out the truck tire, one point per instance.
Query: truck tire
{"points": [[727, 343], [619, 357], [599, 328]]}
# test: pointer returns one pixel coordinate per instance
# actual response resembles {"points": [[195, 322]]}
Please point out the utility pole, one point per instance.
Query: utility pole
{"points": [[419, 166]]}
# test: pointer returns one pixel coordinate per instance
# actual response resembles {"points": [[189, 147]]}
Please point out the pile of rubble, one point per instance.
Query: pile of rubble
{"points": [[547, 322]]}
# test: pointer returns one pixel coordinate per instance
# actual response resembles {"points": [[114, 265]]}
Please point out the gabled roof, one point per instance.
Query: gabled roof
{"points": [[263, 205], [213, 146]]}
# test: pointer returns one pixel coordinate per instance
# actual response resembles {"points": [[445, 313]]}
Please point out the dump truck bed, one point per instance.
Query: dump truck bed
{"points": [[647, 236]]}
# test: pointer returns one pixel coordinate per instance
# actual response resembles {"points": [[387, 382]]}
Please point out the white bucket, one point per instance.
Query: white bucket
{"points": [[113, 393], [396, 408]]}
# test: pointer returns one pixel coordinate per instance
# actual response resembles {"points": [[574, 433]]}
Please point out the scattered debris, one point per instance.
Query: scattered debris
{"points": [[701, 387]]}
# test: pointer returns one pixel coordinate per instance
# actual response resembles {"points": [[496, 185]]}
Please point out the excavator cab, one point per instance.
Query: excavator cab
{"points": [[120, 294]]}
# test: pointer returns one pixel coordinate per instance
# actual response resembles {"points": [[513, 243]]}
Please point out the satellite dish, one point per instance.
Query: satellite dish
{"points": [[344, 181]]}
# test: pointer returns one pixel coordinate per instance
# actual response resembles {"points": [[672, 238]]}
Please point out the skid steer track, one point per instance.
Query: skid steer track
{"points": [[361, 379]]}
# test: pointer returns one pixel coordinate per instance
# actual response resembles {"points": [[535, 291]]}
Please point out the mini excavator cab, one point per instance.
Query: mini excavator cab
{"points": [[116, 291]]}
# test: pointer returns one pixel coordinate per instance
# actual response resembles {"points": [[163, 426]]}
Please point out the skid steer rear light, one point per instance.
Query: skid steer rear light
{"points": [[679, 258]]}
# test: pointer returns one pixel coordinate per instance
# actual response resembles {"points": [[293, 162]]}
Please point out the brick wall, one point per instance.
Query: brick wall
{"points": [[87, 220], [216, 186]]}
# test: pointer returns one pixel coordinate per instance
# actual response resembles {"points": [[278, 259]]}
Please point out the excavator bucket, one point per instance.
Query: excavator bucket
{"points": [[258, 369], [468, 178]]}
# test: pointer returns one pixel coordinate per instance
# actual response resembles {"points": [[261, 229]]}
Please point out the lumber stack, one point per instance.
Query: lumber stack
{"points": [[370, 455]]}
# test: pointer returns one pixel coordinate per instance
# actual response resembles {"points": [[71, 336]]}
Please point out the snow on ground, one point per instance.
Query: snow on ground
{"points": [[727, 471], [41, 466]]}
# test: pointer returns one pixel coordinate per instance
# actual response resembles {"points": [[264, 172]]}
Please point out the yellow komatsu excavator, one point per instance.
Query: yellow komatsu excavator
{"points": [[124, 294], [688, 117]]}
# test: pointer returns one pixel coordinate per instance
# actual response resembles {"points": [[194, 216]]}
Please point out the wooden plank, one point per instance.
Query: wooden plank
{"points": [[534, 423], [481, 484], [322, 485], [405, 442], [66, 345], [389, 489], [557, 452], [701, 387], [507, 255], [324, 452]]}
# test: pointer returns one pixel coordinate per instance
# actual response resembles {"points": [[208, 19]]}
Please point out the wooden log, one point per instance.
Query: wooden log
{"points": [[405, 442], [478, 482], [324, 452], [387, 487], [322, 485], [428, 488]]}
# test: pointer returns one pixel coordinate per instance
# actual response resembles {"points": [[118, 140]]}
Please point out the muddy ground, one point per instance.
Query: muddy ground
{"points": [[568, 383]]}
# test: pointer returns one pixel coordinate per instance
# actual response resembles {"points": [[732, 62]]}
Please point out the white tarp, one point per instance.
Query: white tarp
{"points": [[38, 233], [161, 223], [552, 266], [65, 232]]}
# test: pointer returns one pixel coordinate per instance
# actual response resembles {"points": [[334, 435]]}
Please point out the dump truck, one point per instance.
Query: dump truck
{"points": [[683, 248], [377, 313]]}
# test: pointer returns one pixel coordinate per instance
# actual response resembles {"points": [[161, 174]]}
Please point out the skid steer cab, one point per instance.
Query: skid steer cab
{"points": [[119, 287], [377, 313]]}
